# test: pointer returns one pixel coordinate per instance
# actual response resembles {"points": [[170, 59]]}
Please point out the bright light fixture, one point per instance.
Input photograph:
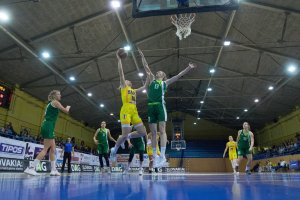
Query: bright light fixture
{"points": [[227, 43], [115, 4], [72, 78]]}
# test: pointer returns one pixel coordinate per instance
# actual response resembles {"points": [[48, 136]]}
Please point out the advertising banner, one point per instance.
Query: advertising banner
{"points": [[11, 164], [10, 148]]}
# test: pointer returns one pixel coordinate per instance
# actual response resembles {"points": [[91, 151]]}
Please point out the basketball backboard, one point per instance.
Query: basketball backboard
{"points": [[146, 8]]}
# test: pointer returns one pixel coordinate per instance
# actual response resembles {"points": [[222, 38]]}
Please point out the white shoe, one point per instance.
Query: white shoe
{"points": [[156, 161], [112, 155], [141, 172], [54, 173], [123, 145], [31, 171], [163, 162], [108, 170]]}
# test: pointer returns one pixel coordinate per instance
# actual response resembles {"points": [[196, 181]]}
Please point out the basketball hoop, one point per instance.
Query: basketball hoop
{"points": [[183, 24]]}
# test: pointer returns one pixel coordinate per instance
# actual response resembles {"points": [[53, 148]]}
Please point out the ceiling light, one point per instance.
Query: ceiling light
{"points": [[212, 71], [141, 74], [198, 111], [292, 69], [209, 89], [112, 114], [46, 54], [101, 105], [89, 94], [237, 117], [4, 17], [195, 123], [202, 102], [127, 48], [227, 43], [72, 78], [144, 91], [256, 100], [246, 110], [271, 88], [198, 118], [115, 4]]}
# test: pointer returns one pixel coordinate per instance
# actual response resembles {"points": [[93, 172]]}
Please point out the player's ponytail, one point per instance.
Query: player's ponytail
{"points": [[52, 94]]}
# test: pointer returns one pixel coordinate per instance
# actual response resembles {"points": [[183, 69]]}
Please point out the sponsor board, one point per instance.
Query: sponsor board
{"points": [[10, 164], [75, 168], [173, 170], [32, 150], [87, 168], [96, 168], [116, 169], [10, 148]]}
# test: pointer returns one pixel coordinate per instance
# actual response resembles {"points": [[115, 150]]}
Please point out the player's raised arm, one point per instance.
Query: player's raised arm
{"points": [[182, 73]]}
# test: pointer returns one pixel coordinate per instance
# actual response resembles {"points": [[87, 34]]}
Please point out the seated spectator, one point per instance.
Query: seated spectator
{"points": [[9, 129]]}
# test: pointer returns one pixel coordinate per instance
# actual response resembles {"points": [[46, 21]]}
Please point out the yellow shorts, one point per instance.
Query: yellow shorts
{"points": [[129, 114], [150, 151], [232, 156]]}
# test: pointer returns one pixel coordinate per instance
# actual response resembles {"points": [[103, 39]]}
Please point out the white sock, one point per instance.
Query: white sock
{"points": [[141, 164], [154, 152], [35, 163], [129, 136], [53, 165], [247, 168], [162, 152]]}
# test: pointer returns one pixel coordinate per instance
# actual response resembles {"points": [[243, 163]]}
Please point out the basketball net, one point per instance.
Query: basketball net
{"points": [[178, 147], [183, 24]]}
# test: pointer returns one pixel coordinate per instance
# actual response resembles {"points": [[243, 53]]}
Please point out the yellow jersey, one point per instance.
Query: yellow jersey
{"points": [[128, 95], [232, 146]]}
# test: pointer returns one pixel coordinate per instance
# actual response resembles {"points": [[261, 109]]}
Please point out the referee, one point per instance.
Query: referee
{"points": [[68, 148]]}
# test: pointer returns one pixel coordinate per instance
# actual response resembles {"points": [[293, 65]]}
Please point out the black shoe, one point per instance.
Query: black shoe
{"points": [[248, 172]]}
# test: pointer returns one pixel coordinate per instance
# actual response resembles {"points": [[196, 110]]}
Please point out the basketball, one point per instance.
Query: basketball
{"points": [[122, 53]]}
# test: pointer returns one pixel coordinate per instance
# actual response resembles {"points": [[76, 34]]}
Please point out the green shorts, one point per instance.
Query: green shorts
{"points": [[103, 148], [47, 130], [157, 112], [139, 149], [243, 151]]}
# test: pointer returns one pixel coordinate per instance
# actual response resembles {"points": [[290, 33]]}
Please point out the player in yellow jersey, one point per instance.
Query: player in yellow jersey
{"points": [[128, 114], [231, 145], [150, 150]]}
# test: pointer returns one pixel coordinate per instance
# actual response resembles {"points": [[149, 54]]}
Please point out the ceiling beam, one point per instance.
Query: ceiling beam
{"points": [[64, 28], [101, 56], [270, 7], [30, 50], [250, 47]]}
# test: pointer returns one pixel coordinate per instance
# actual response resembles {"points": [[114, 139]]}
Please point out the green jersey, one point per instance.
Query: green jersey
{"points": [[102, 136], [156, 92], [51, 113], [245, 139], [48, 125]]}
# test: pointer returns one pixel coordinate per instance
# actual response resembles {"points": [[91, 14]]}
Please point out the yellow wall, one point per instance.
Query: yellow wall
{"points": [[275, 133], [27, 111]]}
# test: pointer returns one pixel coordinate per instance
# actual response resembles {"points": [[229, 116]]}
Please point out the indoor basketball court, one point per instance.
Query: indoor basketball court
{"points": [[149, 99]]}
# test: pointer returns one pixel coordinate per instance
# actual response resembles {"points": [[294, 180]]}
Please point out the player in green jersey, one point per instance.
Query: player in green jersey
{"points": [[157, 112], [101, 139], [136, 145], [47, 132], [245, 142]]}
